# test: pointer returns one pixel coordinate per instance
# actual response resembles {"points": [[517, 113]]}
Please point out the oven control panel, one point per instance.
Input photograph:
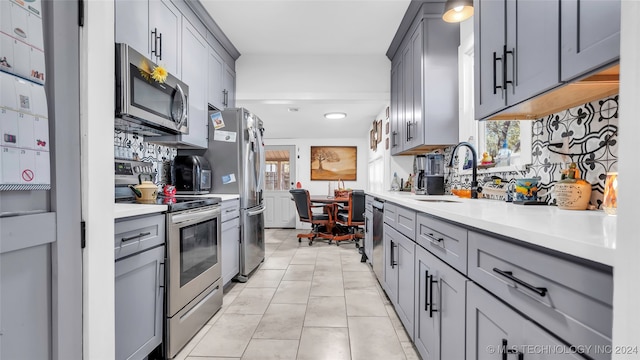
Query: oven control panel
{"points": [[133, 172]]}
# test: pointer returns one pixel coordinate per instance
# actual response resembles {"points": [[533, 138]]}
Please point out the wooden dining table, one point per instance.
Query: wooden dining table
{"points": [[334, 202]]}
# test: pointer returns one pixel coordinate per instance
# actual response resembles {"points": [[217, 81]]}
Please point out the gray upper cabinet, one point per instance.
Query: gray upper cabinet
{"points": [[516, 52], [424, 87], [195, 52], [229, 91], [590, 35], [439, 308], [215, 94], [396, 115], [152, 28]]}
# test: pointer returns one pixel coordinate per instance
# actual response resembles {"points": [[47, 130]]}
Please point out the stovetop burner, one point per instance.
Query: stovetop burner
{"points": [[175, 203]]}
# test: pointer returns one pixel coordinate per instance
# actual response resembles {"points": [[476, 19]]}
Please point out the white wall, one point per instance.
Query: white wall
{"points": [[303, 164], [96, 117], [626, 295]]}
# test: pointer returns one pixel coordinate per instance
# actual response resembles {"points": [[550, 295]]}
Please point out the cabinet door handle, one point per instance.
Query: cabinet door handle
{"points": [[504, 67], [495, 73], [506, 352], [434, 238], [426, 290], [160, 38], [431, 309], [409, 137], [393, 139], [392, 253], [161, 275], [135, 237], [154, 34], [509, 275]]}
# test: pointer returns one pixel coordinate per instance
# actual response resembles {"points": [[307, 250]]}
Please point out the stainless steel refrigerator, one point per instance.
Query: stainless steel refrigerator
{"points": [[237, 157]]}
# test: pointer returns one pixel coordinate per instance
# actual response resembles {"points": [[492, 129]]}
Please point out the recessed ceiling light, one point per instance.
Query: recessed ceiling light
{"points": [[335, 115], [293, 109]]}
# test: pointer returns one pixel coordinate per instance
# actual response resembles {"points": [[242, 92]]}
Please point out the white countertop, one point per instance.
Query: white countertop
{"points": [[586, 234], [126, 210], [224, 197]]}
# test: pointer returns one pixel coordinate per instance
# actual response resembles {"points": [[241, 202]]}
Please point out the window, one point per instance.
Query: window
{"points": [[277, 170], [488, 136]]}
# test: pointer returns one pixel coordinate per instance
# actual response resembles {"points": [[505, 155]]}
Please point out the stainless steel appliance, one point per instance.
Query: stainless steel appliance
{"points": [[378, 229], [430, 178], [193, 292], [144, 105], [191, 174], [237, 157]]}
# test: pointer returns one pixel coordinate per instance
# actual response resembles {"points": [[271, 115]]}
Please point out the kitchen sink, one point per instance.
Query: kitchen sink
{"points": [[439, 200]]}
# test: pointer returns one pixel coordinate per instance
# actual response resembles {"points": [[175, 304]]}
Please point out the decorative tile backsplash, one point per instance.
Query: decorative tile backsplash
{"points": [[587, 133], [132, 146]]}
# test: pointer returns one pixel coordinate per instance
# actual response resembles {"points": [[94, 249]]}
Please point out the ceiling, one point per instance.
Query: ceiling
{"points": [[315, 56]]}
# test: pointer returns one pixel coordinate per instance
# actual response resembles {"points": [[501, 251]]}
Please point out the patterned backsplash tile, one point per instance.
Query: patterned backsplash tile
{"points": [[586, 135], [132, 146]]}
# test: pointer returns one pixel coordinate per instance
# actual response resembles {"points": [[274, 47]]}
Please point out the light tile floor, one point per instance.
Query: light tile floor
{"points": [[306, 302]]}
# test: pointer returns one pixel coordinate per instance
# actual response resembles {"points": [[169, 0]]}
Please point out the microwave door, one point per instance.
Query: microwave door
{"points": [[179, 107]]}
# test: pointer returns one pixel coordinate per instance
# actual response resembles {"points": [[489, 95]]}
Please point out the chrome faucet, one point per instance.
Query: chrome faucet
{"points": [[474, 175]]}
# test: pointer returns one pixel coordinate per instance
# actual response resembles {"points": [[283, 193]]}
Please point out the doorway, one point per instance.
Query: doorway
{"points": [[280, 171]]}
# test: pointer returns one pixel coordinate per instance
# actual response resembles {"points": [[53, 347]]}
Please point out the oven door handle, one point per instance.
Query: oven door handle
{"points": [[257, 212], [195, 216]]}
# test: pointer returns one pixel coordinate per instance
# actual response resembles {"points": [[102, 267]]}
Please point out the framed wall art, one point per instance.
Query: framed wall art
{"points": [[379, 131], [334, 163], [373, 143]]}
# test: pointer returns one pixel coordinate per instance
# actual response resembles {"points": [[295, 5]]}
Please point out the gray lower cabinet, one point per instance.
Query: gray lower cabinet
{"points": [[590, 36], [399, 275], [230, 211], [139, 285], [495, 331], [572, 300], [439, 308]]}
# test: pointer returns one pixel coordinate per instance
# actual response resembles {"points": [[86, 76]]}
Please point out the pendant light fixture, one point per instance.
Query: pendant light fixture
{"points": [[457, 10]]}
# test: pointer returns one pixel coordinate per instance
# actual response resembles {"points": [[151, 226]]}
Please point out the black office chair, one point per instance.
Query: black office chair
{"points": [[320, 223], [349, 221]]}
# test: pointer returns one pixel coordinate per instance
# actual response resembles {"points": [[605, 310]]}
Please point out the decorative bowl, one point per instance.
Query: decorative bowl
{"points": [[526, 189]]}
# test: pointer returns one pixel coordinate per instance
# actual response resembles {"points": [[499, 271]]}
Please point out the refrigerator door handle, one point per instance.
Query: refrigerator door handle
{"points": [[257, 212]]}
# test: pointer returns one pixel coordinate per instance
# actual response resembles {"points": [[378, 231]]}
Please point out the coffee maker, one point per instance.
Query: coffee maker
{"points": [[429, 174]]}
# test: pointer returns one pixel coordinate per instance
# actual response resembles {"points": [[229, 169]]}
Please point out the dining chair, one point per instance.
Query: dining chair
{"points": [[320, 223], [352, 219]]}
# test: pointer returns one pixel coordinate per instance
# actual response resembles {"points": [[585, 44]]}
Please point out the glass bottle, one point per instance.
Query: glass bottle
{"points": [[395, 183]]}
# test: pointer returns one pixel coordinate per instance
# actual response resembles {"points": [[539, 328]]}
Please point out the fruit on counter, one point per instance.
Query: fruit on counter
{"points": [[463, 193]]}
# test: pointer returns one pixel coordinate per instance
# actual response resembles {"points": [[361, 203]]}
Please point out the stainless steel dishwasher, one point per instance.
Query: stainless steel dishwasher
{"points": [[378, 223]]}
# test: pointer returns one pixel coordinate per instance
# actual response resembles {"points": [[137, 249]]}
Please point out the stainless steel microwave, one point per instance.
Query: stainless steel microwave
{"points": [[144, 105]]}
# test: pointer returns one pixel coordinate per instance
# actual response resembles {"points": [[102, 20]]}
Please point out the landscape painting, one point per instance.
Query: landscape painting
{"points": [[334, 163]]}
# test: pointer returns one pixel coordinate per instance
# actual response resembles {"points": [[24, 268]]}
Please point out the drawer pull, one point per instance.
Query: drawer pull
{"points": [[506, 352], [509, 275], [434, 238], [229, 211], [135, 236]]}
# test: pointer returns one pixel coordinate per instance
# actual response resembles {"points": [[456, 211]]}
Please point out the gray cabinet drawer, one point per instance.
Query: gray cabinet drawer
{"points": [[577, 305], [230, 209], [444, 240], [406, 222], [390, 214], [135, 234], [368, 201]]}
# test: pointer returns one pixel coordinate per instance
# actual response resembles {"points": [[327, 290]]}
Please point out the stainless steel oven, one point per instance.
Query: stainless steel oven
{"points": [[193, 271]]}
